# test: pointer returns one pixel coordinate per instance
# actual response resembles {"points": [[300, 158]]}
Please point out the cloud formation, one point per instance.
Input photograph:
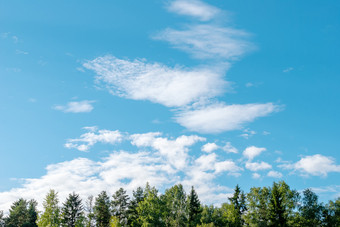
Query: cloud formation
{"points": [[315, 165], [208, 41], [88, 139], [193, 8], [155, 82], [220, 117], [159, 160], [76, 107], [251, 152]]}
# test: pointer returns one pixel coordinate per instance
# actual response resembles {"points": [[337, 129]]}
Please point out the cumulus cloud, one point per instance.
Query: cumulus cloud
{"points": [[93, 136], [175, 151], [193, 8], [256, 166], [256, 176], [209, 147], [76, 107], [152, 159], [315, 165], [274, 174], [155, 82], [251, 152], [208, 41], [221, 117]]}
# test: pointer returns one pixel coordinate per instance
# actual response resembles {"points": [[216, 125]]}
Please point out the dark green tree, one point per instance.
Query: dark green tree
{"points": [[310, 209], [120, 205], [194, 208], [101, 210], [138, 196], [277, 208], [175, 213], [2, 218], [51, 214], [22, 214], [331, 214], [238, 200], [72, 211]]}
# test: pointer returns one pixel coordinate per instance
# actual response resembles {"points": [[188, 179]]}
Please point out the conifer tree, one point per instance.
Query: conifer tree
{"points": [[72, 211], [194, 208], [120, 204], [89, 212], [22, 214], [238, 200], [51, 214], [101, 210], [138, 196]]}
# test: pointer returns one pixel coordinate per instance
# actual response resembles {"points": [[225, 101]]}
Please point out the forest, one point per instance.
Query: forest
{"points": [[278, 205]]}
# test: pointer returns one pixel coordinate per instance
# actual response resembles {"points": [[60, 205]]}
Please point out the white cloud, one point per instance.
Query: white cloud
{"points": [[221, 117], [209, 147], [274, 174], [315, 165], [87, 140], [175, 151], [76, 107], [208, 41], [172, 87], [256, 166], [251, 152], [130, 169], [194, 8], [230, 148]]}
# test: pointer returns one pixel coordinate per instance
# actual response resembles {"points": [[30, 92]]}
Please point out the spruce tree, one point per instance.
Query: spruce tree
{"points": [[22, 214], [101, 210], [72, 211], [138, 196], [120, 204], [194, 208]]}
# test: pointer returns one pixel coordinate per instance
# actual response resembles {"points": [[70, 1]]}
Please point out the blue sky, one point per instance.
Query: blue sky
{"points": [[97, 96]]}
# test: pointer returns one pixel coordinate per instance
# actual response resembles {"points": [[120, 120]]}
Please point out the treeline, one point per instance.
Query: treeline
{"points": [[277, 205]]}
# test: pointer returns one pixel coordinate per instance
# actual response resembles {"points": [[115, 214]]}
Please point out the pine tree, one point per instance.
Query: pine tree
{"points": [[239, 202], [194, 208], [72, 211], [276, 207], [120, 204], [51, 214], [138, 196], [22, 214], [101, 210]]}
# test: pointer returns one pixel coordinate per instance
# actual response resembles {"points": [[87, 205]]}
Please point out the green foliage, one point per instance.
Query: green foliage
{"points": [[150, 210], [114, 222], [138, 196], [22, 214], [331, 213], [51, 214], [174, 200], [120, 204], [194, 208], [239, 202], [72, 212], [310, 210], [101, 209], [257, 205]]}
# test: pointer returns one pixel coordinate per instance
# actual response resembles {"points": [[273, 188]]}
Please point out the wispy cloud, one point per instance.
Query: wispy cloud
{"points": [[220, 117], [93, 136], [256, 166], [208, 41], [193, 8], [172, 87], [76, 107], [315, 165], [287, 70]]}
